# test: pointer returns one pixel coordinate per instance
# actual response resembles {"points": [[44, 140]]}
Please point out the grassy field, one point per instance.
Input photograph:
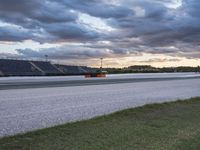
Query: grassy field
{"points": [[168, 126]]}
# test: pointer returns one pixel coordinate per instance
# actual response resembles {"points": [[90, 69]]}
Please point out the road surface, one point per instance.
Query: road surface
{"points": [[64, 81], [28, 108]]}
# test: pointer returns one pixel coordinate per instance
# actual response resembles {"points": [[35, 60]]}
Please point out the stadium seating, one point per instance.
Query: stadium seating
{"points": [[17, 68], [74, 70], [10, 67], [46, 67]]}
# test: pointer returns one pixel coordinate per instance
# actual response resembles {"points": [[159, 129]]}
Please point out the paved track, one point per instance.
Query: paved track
{"points": [[24, 83], [25, 109]]}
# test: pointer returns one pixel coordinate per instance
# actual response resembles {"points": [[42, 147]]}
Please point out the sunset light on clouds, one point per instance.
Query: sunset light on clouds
{"points": [[79, 32]]}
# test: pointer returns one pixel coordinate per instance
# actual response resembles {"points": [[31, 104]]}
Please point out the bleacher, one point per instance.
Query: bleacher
{"points": [[74, 70], [10, 67], [17, 68], [46, 67]]}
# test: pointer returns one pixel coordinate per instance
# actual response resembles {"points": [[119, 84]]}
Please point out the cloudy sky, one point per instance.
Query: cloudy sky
{"points": [[123, 32]]}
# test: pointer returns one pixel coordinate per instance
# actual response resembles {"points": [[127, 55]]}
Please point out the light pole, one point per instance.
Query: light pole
{"points": [[101, 68], [46, 57]]}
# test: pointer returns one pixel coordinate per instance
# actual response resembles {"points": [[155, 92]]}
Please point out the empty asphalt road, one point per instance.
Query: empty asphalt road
{"points": [[65, 81]]}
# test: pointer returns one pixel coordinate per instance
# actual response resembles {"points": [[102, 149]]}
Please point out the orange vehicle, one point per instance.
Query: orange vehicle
{"points": [[101, 74]]}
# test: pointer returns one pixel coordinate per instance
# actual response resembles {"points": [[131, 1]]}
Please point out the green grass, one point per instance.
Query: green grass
{"points": [[167, 126]]}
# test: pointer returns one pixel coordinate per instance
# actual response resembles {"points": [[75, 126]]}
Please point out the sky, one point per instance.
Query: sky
{"points": [[123, 32]]}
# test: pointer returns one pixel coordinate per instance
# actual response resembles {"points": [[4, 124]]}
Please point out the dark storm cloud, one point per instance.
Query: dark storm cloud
{"points": [[39, 10], [65, 52], [160, 28], [191, 7], [14, 34], [37, 16], [99, 8], [71, 32], [139, 26], [20, 6]]}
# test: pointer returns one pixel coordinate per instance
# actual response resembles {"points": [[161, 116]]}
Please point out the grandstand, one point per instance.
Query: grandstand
{"points": [[74, 70], [17, 68], [46, 67], [10, 67]]}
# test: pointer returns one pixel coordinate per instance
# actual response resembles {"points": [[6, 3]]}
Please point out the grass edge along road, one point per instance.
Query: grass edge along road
{"points": [[172, 125]]}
